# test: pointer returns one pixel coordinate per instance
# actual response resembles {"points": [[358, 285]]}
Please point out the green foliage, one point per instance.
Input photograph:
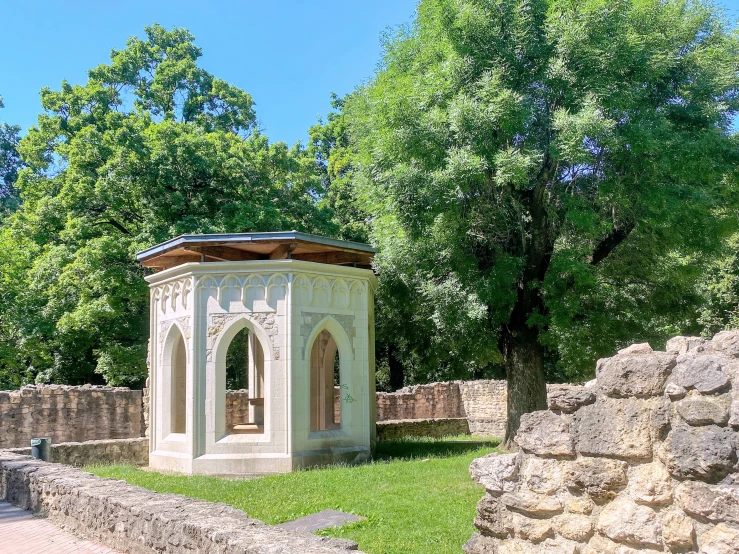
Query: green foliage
{"points": [[151, 147], [10, 164], [551, 166]]}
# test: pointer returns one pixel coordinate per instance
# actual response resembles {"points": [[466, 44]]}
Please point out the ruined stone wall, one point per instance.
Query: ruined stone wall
{"points": [[113, 451], [391, 430], [484, 406], [435, 400], [643, 460], [139, 521], [69, 414]]}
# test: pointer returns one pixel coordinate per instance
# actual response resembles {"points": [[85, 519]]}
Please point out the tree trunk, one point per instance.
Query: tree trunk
{"points": [[527, 389], [397, 375]]}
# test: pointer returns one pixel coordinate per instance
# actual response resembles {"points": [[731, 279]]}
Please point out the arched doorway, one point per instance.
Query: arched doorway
{"points": [[325, 384]]}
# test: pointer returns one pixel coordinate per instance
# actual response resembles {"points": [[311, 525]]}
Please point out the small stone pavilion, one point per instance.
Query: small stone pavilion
{"points": [[305, 305]]}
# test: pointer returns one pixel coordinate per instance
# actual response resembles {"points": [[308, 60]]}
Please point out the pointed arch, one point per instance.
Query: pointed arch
{"points": [[174, 389]]}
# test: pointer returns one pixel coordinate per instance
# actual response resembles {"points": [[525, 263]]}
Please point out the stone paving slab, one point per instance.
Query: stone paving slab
{"points": [[321, 520], [22, 533]]}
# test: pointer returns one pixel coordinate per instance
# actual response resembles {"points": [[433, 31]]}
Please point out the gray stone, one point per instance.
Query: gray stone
{"points": [[479, 544], [715, 503], [727, 342], [534, 530], [617, 428], [324, 519], [703, 453], [543, 475], [545, 434], [528, 503], [704, 410], [569, 400], [675, 391], [598, 477], [637, 372], [496, 472], [681, 345], [492, 518], [625, 521], [700, 371]]}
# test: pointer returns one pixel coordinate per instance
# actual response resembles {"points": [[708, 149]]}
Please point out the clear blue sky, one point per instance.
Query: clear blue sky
{"points": [[289, 55]]}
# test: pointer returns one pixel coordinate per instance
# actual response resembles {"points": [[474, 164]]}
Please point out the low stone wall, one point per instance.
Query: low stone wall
{"points": [[484, 406], [139, 521], [390, 430], [114, 451], [644, 460], [68, 414]]}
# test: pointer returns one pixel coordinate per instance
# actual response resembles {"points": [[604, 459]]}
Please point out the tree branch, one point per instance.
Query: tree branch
{"points": [[604, 248], [115, 224]]}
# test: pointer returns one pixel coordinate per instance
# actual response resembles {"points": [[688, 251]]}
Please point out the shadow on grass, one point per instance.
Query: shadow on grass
{"points": [[409, 449]]}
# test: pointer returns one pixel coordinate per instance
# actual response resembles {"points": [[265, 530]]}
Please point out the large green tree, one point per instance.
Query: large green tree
{"points": [[10, 164], [542, 173], [152, 146]]}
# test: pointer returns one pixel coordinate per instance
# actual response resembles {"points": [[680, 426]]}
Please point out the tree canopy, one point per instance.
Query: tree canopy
{"points": [[546, 177], [152, 146]]}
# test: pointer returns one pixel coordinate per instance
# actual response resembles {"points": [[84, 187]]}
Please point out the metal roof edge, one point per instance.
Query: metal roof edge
{"points": [[251, 237]]}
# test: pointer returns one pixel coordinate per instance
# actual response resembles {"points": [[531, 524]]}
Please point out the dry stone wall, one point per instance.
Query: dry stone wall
{"points": [[113, 451], [68, 414], [643, 460], [391, 430], [138, 521]]}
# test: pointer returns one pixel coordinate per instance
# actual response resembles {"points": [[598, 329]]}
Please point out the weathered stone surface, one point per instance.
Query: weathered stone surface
{"points": [[549, 546], [704, 410], [598, 477], [602, 545], [704, 453], [713, 503], [678, 531], [393, 430], [581, 504], [674, 391], [542, 475], [700, 371], [616, 428], [528, 503], [545, 434], [734, 413], [569, 400], [132, 519], [722, 539], [681, 345], [492, 519], [635, 372], [534, 530], [625, 521], [650, 484], [574, 527], [479, 544], [727, 342], [80, 454], [496, 472]]}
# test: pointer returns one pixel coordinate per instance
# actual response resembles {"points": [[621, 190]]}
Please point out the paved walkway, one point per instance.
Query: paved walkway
{"points": [[22, 533]]}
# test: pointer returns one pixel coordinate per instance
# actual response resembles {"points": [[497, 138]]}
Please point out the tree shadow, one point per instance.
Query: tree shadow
{"points": [[410, 448]]}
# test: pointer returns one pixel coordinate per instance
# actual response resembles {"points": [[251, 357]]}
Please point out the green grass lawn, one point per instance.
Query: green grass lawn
{"points": [[417, 496]]}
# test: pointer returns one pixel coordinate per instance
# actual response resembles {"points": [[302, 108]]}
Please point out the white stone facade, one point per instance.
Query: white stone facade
{"points": [[198, 308]]}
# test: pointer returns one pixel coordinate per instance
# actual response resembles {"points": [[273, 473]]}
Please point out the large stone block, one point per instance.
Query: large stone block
{"points": [[568, 400], [727, 342], [543, 475], [704, 410], [492, 518], [625, 521], [479, 544], [722, 539], [618, 428], [703, 453], [678, 531], [574, 527], [635, 372], [531, 504], [545, 434], [650, 484], [496, 472], [534, 530], [681, 345], [702, 371], [713, 503], [600, 478]]}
